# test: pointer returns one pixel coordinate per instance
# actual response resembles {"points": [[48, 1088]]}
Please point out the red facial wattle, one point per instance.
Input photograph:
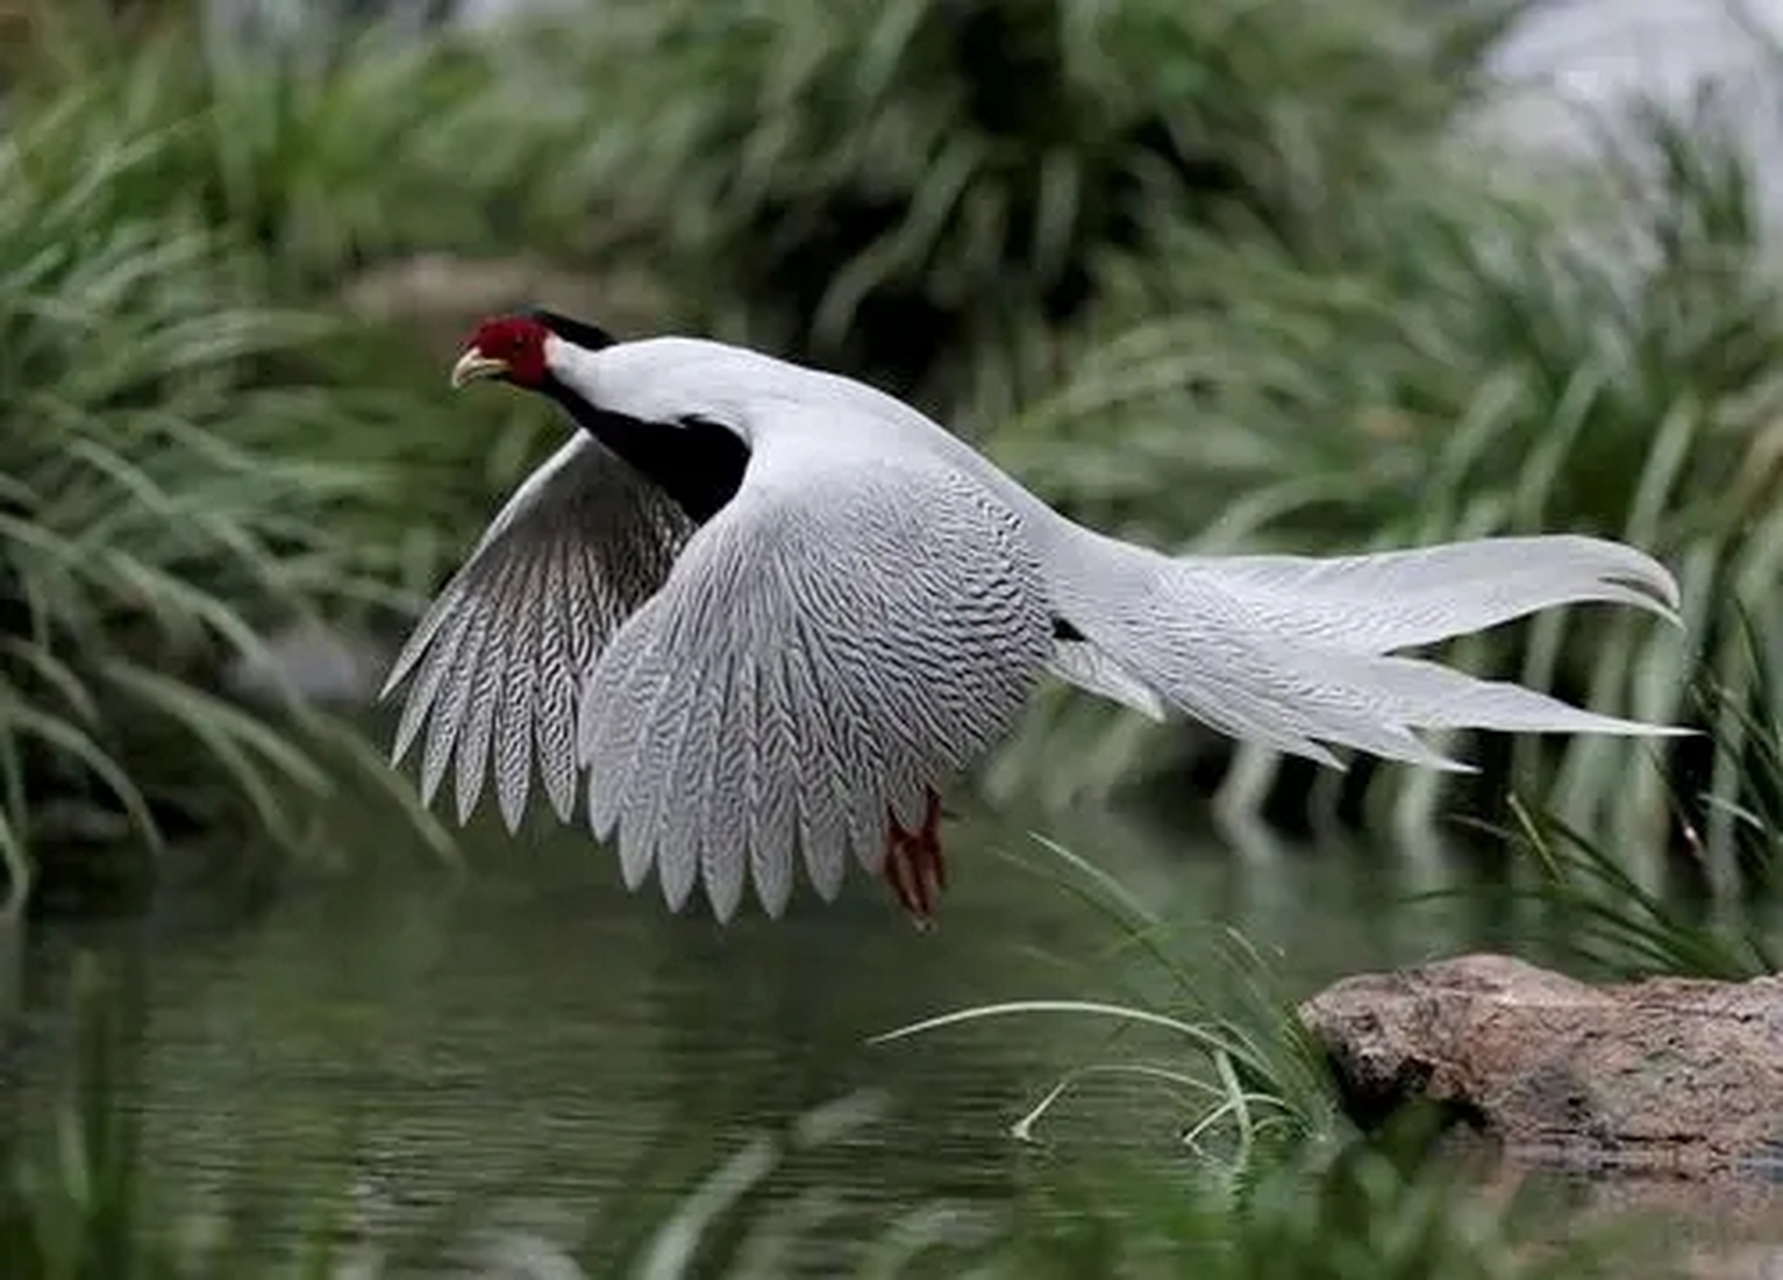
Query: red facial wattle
{"points": [[517, 343]]}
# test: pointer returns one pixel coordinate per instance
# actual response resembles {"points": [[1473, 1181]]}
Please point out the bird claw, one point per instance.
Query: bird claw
{"points": [[914, 866]]}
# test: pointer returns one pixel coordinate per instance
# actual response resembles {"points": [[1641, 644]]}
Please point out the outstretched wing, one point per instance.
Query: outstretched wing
{"points": [[835, 640], [500, 656]]}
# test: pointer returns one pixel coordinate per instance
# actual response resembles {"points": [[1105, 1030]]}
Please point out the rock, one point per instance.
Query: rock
{"points": [[1669, 1074]]}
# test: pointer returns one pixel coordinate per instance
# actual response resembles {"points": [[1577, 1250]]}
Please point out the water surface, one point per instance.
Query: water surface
{"points": [[528, 1034]]}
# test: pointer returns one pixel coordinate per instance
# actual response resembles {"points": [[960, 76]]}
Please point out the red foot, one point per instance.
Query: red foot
{"points": [[913, 864]]}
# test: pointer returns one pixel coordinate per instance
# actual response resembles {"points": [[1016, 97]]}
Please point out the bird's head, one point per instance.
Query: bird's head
{"points": [[518, 348], [507, 349]]}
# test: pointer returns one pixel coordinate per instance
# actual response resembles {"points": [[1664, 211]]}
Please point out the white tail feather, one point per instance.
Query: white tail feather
{"points": [[1091, 670], [1401, 599], [1294, 653]]}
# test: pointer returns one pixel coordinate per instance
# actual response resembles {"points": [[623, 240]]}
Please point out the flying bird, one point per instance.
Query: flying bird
{"points": [[755, 615]]}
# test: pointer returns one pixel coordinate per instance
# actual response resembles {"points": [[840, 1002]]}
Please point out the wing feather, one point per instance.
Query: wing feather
{"points": [[428, 682], [448, 717], [486, 680], [724, 844], [687, 845], [497, 663], [860, 632], [860, 814], [554, 706], [823, 826], [513, 729], [677, 709], [774, 809], [648, 679]]}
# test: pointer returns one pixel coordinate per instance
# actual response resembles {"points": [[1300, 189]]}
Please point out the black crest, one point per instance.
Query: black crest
{"points": [[580, 332]]}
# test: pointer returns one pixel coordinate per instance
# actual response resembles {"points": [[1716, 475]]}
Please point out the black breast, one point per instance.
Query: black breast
{"points": [[697, 463]]}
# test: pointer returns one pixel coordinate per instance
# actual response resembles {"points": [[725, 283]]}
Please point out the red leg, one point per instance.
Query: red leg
{"points": [[914, 866]]}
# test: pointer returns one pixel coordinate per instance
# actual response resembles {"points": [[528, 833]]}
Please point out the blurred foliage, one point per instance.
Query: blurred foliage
{"points": [[919, 191], [1615, 924], [319, 157], [322, 150], [1469, 364], [163, 503], [1382, 1205]]}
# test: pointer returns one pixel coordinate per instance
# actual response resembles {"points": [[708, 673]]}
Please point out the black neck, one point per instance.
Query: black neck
{"points": [[697, 463]]}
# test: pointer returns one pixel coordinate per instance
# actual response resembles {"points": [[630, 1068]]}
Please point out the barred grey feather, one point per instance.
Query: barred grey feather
{"points": [[514, 729], [723, 840], [891, 613], [500, 656], [820, 755], [485, 682], [448, 716], [773, 841]]}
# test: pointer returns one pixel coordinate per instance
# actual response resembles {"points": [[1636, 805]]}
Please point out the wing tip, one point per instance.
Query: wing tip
{"points": [[397, 674]]}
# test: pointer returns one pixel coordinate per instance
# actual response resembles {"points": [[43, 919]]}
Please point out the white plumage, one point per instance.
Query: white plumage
{"points": [[760, 612]]}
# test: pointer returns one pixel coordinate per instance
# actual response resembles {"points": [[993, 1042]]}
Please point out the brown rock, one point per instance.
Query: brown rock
{"points": [[1668, 1074]]}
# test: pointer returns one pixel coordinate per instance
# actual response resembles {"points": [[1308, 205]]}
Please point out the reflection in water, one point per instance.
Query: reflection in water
{"points": [[529, 1030]]}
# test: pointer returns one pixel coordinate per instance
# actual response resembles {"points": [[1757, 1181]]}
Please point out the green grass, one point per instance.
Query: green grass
{"points": [[162, 506], [1214, 1035], [1613, 923], [1713, 912], [920, 192], [323, 152]]}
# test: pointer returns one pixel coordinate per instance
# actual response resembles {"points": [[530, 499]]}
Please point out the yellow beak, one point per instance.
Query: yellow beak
{"points": [[473, 365]]}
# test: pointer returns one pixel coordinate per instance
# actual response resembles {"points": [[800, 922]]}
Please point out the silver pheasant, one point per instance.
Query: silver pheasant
{"points": [[762, 612]]}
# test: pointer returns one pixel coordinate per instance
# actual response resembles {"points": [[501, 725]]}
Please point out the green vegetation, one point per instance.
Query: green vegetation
{"points": [[1614, 923], [160, 506], [1712, 913], [922, 192]]}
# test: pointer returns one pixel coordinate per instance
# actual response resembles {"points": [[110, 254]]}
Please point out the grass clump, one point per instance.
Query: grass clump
{"points": [[920, 192], [1227, 1047], [320, 150], [1272, 1179], [1614, 923], [160, 508]]}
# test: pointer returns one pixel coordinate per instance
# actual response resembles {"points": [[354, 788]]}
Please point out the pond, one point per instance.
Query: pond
{"points": [[527, 1041]]}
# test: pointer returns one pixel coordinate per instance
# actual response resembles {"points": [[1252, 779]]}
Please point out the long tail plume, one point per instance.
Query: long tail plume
{"points": [[1298, 653]]}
